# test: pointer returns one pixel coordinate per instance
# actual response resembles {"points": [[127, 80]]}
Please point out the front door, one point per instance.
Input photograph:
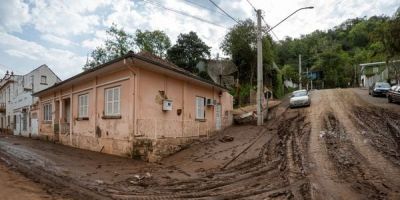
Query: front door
{"points": [[218, 120], [66, 115], [34, 125]]}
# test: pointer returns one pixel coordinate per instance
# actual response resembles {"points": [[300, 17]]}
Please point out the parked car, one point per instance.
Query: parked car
{"points": [[379, 89], [393, 95], [300, 98]]}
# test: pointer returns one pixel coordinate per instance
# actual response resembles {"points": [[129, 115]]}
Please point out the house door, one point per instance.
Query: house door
{"points": [[66, 115], [34, 125], [218, 120]]}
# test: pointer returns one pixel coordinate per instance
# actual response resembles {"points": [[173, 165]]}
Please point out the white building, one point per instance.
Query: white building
{"points": [[16, 100]]}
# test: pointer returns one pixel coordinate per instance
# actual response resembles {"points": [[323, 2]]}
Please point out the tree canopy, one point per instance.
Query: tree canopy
{"points": [[188, 51], [155, 42]]}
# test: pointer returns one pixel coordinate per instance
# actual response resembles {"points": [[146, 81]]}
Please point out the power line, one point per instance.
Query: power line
{"points": [[224, 11], [266, 24], [182, 13], [203, 7], [268, 27], [248, 1]]}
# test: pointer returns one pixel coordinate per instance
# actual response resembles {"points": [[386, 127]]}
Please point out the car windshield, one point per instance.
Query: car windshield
{"points": [[299, 94], [382, 85]]}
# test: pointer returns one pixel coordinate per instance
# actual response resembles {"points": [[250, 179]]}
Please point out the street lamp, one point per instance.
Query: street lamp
{"points": [[260, 87], [309, 7]]}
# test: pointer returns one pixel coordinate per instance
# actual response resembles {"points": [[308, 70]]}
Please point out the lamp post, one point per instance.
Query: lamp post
{"points": [[309, 7], [260, 85]]}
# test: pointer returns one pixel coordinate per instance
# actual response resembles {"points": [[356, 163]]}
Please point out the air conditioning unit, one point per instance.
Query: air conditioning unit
{"points": [[211, 102], [167, 105]]}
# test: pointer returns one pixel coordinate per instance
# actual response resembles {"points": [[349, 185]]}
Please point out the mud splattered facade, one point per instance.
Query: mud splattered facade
{"points": [[137, 105]]}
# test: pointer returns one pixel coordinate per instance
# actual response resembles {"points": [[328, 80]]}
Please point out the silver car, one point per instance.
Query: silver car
{"points": [[300, 98]]}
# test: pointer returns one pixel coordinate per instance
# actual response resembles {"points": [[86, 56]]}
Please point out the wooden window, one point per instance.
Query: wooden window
{"points": [[47, 115], [83, 105], [112, 101], [200, 105]]}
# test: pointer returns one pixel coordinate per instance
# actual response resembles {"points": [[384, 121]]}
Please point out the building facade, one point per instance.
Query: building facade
{"points": [[18, 116], [138, 105]]}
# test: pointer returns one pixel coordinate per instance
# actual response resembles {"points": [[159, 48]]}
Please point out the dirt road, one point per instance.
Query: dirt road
{"points": [[344, 146], [15, 186]]}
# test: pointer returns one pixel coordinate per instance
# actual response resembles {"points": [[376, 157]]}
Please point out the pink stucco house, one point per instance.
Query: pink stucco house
{"points": [[137, 105]]}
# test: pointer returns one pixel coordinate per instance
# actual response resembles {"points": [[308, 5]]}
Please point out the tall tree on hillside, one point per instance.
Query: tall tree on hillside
{"points": [[155, 42], [240, 44], [118, 43], [188, 51]]}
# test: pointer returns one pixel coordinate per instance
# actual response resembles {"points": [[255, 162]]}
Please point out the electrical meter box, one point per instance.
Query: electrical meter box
{"points": [[167, 105]]}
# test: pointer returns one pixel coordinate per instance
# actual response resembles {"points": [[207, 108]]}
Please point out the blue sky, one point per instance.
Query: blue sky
{"points": [[60, 33]]}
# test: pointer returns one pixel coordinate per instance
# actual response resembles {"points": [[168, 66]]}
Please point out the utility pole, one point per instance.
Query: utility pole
{"points": [[299, 71], [260, 89], [307, 78]]}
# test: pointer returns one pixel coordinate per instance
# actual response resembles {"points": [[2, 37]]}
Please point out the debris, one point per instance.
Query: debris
{"points": [[226, 138], [99, 182]]}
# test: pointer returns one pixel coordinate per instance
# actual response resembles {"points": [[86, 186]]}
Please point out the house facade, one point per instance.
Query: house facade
{"points": [[17, 104], [138, 105]]}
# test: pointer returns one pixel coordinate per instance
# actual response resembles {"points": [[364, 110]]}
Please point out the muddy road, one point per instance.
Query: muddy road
{"points": [[341, 147]]}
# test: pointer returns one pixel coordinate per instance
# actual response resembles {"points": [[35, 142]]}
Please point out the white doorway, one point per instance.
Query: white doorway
{"points": [[218, 120]]}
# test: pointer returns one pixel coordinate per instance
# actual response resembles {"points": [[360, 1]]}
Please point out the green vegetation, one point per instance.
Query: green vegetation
{"points": [[334, 52]]}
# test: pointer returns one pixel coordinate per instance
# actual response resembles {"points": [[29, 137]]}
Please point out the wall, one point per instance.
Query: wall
{"points": [[111, 136], [144, 129]]}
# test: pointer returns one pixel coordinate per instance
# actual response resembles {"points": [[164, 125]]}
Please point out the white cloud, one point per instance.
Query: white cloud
{"points": [[13, 14], [64, 63], [56, 40], [60, 18], [96, 41]]}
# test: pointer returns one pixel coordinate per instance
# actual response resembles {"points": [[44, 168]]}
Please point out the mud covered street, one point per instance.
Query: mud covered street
{"points": [[346, 145], [14, 185]]}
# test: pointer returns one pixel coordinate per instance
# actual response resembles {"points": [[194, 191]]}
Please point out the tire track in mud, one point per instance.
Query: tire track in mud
{"points": [[278, 172], [350, 165], [381, 127], [325, 182], [373, 132]]}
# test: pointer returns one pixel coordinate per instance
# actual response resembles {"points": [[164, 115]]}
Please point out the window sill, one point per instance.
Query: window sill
{"points": [[112, 117], [43, 83], [82, 118], [201, 120], [46, 122]]}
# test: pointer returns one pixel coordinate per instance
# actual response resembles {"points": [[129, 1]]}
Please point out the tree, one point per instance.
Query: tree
{"points": [[118, 43], [240, 44], [188, 51], [155, 42]]}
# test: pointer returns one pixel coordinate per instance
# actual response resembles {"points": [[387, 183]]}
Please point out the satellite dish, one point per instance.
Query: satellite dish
{"points": [[221, 72]]}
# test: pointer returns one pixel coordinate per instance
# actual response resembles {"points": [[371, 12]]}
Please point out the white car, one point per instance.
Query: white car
{"points": [[300, 98]]}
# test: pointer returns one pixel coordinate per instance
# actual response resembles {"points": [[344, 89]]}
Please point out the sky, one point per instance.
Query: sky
{"points": [[61, 33]]}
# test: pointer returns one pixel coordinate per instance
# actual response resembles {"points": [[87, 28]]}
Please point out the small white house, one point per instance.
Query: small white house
{"points": [[16, 100]]}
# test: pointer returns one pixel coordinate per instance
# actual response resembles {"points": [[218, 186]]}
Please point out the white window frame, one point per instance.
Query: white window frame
{"points": [[47, 112], [83, 105], [43, 79], [112, 101], [200, 108]]}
